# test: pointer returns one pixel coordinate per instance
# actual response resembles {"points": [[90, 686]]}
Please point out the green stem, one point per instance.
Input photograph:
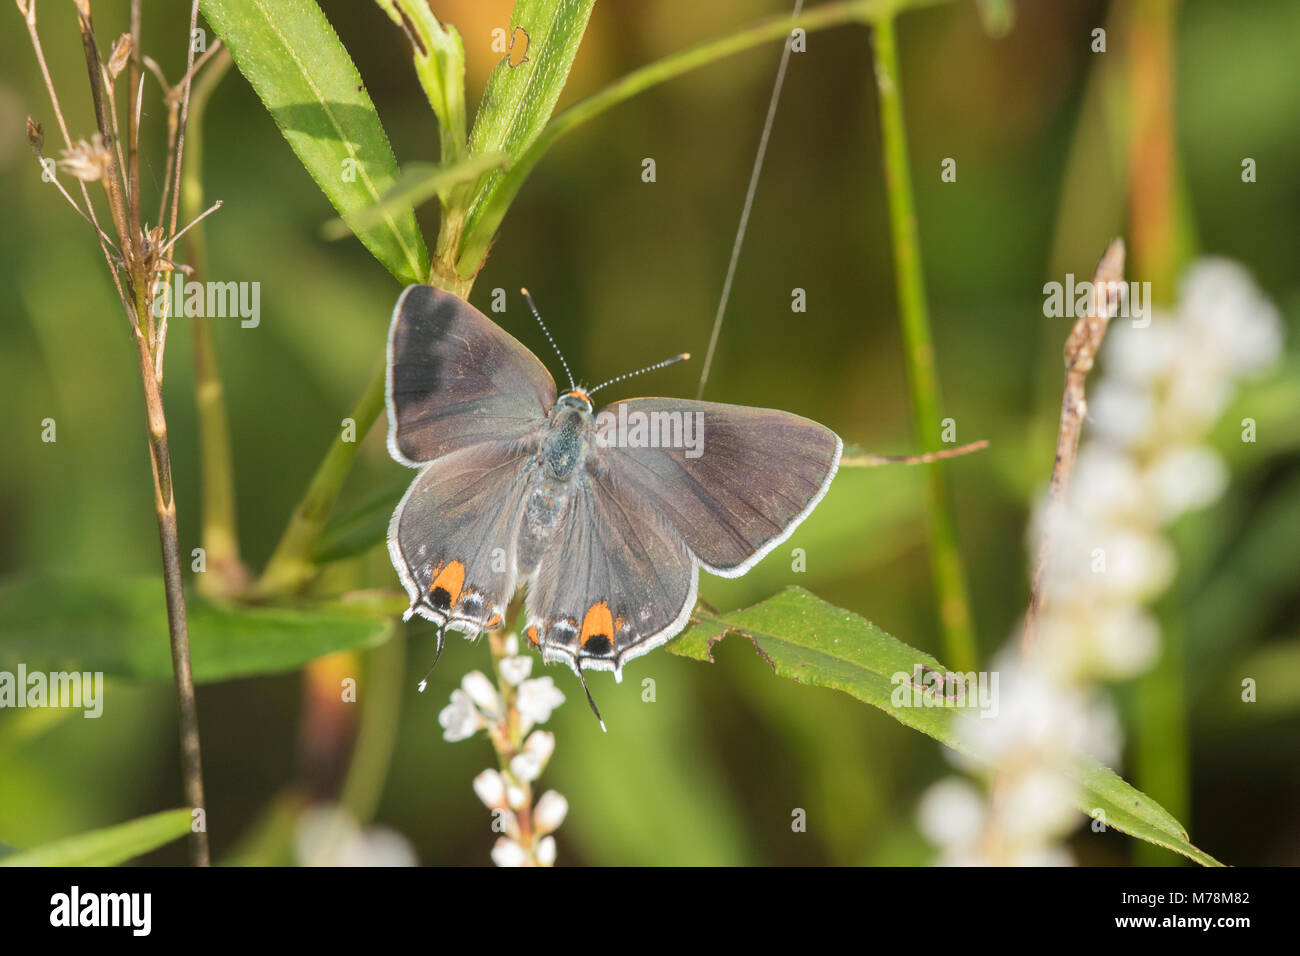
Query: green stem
{"points": [[1161, 758], [1162, 763], [380, 710], [219, 531], [292, 564], [950, 578]]}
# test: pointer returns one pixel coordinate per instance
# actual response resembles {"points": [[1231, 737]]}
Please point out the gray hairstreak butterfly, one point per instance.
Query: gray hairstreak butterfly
{"points": [[607, 516]]}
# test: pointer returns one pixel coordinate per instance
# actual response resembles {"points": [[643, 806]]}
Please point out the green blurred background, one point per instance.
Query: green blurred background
{"points": [[626, 273]]}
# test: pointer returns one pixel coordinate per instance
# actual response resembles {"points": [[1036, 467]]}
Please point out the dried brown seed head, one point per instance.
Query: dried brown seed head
{"points": [[120, 56], [35, 135], [87, 161]]}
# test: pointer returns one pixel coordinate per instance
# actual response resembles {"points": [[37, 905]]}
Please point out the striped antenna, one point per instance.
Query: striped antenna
{"points": [[649, 368], [538, 316]]}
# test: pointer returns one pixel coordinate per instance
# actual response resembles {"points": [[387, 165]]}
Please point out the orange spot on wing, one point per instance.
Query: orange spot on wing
{"points": [[598, 622], [451, 579], [532, 634], [619, 623], [495, 622]]}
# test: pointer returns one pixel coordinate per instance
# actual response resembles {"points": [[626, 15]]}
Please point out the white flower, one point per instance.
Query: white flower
{"points": [[1125, 642], [491, 789], [1140, 357], [516, 796], [506, 852], [1220, 297], [508, 823], [512, 645], [459, 719], [1036, 806], [481, 691], [546, 851], [1106, 484], [550, 811], [1185, 479], [537, 698], [379, 846], [328, 835], [952, 813], [1043, 856], [528, 764], [515, 670], [1121, 413], [1139, 564]]}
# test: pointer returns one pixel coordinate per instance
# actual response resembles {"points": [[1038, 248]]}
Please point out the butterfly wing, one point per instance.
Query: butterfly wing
{"points": [[453, 537], [615, 581], [456, 378], [752, 477]]}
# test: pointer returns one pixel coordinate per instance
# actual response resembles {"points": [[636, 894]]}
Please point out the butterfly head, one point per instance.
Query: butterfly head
{"points": [[575, 399]]}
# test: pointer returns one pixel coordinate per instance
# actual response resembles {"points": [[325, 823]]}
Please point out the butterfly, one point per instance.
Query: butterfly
{"points": [[607, 516]]}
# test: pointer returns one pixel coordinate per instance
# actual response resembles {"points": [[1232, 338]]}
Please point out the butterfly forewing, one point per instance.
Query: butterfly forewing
{"points": [[751, 476], [456, 378]]}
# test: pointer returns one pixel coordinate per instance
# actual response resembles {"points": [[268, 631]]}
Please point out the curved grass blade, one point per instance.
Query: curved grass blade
{"points": [[293, 59], [109, 846], [416, 184]]}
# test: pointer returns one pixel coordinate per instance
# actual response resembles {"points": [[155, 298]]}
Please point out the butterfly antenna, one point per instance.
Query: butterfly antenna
{"points": [[538, 316], [649, 368], [424, 682], [594, 709]]}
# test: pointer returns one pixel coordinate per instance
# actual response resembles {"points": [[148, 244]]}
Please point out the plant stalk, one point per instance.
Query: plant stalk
{"points": [[949, 575], [177, 626], [219, 531]]}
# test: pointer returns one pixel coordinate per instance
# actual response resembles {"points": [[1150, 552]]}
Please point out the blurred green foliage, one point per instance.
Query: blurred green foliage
{"points": [[626, 271]]}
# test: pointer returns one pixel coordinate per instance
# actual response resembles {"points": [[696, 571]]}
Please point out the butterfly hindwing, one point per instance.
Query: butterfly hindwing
{"points": [[456, 378], [453, 537], [751, 476], [615, 581]]}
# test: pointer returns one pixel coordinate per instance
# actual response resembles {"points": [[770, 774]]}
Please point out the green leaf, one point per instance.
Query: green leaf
{"points": [[293, 59], [119, 626], [439, 55], [109, 846], [417, 183], [519, 99], [363, 527], [812, 642]]}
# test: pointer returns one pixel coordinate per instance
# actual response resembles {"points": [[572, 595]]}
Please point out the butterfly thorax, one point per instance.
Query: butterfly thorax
{"points": [[561, 455]]}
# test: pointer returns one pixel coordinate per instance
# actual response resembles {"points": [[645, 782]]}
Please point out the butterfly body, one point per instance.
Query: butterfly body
{"points": [[560, 458], [607, 524]]}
